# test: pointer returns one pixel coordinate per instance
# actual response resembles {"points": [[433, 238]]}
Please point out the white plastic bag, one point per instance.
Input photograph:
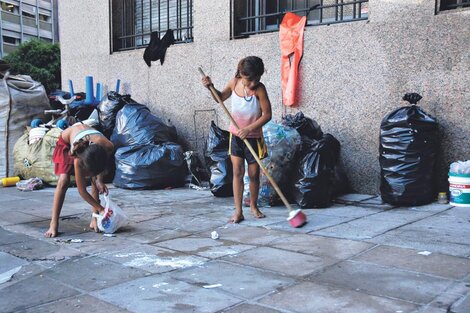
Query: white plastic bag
{"points": [[112, 218]]}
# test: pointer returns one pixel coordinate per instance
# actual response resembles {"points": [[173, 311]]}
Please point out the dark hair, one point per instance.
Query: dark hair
{"points": [[93, 157], [251, 66]]}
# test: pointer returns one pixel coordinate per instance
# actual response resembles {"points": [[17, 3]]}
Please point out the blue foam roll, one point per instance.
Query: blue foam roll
{"points": [[71, 88], [118, 84], [89, 90], [98, 92]]}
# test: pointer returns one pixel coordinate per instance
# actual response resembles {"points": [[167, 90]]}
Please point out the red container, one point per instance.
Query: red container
{"points": [[297, 218]]}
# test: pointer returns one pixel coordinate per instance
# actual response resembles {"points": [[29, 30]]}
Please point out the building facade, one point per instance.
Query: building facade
{"points": [[360, 57], [22, 20]]}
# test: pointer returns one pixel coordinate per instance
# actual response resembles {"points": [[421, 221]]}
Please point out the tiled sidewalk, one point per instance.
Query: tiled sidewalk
{"points": [[359, 255]]}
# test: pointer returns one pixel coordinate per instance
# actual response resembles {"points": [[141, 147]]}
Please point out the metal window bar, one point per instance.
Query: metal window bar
{"points": [[137, 25], [339, 16], [445, 5]]}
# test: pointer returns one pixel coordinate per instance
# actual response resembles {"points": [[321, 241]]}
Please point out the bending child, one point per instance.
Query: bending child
{"points": [[84, 152], [251, 109]]}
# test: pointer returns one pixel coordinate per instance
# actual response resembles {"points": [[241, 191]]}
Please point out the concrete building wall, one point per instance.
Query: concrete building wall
{"points": [[352, 74]]}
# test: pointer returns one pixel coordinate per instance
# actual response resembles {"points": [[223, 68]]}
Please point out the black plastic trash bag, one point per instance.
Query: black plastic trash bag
{"points": [[198, 173], [219, 162], [136, 125], [408, 148], [305, 126], [315, 180], [109, 108], [150, 166]]}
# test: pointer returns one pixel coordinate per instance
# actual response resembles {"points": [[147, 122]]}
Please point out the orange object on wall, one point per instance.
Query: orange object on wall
{"points": [[291, 35]]}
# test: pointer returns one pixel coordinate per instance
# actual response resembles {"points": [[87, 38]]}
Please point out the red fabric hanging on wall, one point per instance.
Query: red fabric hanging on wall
{"points": [[291, 36]]}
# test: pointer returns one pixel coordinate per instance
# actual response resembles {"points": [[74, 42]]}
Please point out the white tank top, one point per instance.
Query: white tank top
{"points": [[245, 111]]}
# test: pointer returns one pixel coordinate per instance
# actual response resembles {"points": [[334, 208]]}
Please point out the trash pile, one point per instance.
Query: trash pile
{"points": [[33, 151], [317, 176], [147, 155], [303, 161]]}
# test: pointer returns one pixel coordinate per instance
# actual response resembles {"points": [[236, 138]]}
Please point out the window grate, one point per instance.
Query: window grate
{"points": [[454, 4], [133, 21], [262, 16]]}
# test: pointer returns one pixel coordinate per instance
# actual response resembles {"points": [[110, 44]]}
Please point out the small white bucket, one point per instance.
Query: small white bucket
{"points": [[459, 189]]}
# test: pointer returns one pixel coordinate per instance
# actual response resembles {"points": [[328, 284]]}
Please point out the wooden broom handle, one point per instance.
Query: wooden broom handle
{"points": [[247, 143]]}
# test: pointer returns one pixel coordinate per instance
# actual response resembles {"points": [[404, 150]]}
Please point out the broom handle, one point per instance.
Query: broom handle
{"points": [[247, 143]]}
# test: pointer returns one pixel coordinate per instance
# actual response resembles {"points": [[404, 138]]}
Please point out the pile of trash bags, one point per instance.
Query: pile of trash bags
{"points": [[409, 143], [303, 161], [318, 176], [147, 155]]}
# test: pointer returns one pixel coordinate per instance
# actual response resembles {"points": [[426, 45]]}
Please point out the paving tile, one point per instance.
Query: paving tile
{"points": [[359, 229], [248, 235], [120, 196], [37, 229], [186, 223], [376, 201], [452, 297], [84, 303], [34, 249], [100, 273], [92, 243], [250, 308], [461, 306], [453, 223], [322, 246], [288, 263], [241, 281], [403, 215], [205, 247], [15, 217], [423, 238], [432, 207], [384, 281], [27, 270], [352, 197], [342, 210], [9, 262], [315, 222], [311, 297], [19, 296], [434, 264], [430, 309], [166, 294], [153, 259], [149, 236], [8, 237]]}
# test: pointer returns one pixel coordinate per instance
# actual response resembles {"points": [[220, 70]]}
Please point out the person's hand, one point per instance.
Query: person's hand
{"points": [[242, 133], [102, 188], [206, 81]]}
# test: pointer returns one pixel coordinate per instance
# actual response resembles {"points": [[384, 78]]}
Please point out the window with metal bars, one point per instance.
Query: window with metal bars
{"points": [[261, 16], [132, 21], [445, 5]]}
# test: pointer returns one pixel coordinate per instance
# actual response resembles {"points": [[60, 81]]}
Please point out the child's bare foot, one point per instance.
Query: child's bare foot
{"points": [[94, 225], [236, 218], [51, 232], [257, 213]]}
